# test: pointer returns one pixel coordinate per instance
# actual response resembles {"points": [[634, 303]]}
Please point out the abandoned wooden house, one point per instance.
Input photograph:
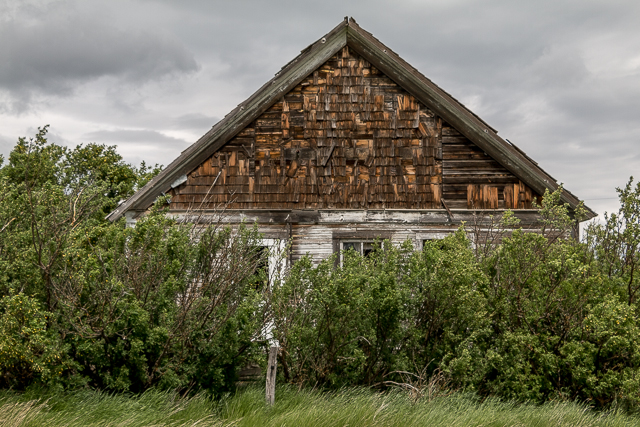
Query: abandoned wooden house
{"points": [[346, 144]]}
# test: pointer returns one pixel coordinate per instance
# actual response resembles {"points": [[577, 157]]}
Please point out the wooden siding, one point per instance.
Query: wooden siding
{"points": [[473, 180], [319, 232], [322, 240], [348, 137]]}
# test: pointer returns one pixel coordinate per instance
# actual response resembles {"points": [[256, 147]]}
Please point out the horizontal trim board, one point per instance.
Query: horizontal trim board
{"points": [[355, 216]]}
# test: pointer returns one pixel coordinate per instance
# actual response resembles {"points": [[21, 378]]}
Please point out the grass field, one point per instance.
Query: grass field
{"points": [[356, 407]]}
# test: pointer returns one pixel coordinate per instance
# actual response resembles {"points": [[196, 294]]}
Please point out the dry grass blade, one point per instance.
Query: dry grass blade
{"points": [[14, 414], [420, 386]]}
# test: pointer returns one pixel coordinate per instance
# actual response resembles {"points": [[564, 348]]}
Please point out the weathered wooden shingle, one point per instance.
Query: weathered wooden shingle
{"points": [[348, 124]]}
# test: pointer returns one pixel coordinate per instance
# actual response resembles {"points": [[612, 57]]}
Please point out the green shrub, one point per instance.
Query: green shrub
{"points": [[366, 320], [167, 303], [28, 350]]}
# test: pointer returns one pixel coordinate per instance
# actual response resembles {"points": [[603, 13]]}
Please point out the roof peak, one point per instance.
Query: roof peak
{"points": [[387, 61]]}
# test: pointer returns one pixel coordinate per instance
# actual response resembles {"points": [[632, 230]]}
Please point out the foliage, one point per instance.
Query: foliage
{"points": [[446, 304], [557, 327], [49, 195], [521, 315], [335, 326], [177, 304], [152, 305], [615, 245], [28, 351], [167, 303], [361, 322]]}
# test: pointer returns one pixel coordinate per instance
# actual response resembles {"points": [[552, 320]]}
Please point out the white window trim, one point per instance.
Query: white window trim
{"points": [[277, 262]]}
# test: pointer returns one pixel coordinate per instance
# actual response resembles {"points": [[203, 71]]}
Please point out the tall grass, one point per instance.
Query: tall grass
{"points": [[351, 407], [92, 408], [365, 408]]}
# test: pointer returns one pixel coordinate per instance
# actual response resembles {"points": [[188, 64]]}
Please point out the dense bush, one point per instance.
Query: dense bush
{"points": [[176, 305], [29, 352], [527, 316], [359, 323], [87, 302], [153, 306]]}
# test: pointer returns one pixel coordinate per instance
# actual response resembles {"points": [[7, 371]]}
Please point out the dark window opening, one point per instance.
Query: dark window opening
{"points": [[367, 248], [261, 271], [356, 246], [439, 246]]}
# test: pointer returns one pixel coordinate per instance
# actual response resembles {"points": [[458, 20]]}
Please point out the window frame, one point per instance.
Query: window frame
{"points": [[421, 238], [276, 263], [361, 251]]}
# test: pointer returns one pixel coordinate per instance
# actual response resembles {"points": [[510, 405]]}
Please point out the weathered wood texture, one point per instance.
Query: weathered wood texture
{"points": [[348, 137], [272, 366], [320, 236], [473, 180]]}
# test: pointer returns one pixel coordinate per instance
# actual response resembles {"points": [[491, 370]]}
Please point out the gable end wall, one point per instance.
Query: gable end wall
{"points": [[348, 137]]}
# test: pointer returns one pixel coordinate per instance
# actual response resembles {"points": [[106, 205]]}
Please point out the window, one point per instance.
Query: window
{"points": [[424, 237], [363, 247], [363, 242], [275, 260], [426, 241], [262, 266]]}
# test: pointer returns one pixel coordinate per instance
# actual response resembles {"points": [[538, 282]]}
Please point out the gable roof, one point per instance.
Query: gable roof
{"points": [[347, 33]]}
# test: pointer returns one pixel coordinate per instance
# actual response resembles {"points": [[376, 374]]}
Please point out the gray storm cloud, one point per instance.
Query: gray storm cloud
{"points": [[157, 139], [141, 145], [53, 53], [559, 79]]}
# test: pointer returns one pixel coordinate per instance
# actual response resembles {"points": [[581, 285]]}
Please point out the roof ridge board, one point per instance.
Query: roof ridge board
{"points": [[225, 129], [308, 48]]}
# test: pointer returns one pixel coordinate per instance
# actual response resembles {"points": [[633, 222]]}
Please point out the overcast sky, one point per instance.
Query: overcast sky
{"points": [[560, 79]]}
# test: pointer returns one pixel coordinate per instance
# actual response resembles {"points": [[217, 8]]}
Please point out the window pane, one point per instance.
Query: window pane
{"points": [[367, 248], [262, 254], [351, 245]]}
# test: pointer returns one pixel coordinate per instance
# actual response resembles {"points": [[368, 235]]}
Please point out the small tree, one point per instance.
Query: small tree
{"points": [[615, 245]]}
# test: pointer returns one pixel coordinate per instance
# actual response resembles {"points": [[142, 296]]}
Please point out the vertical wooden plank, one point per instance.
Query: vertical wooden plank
{"points": [[284, 122], [508, 196], [521, 197], [271, 376], [438, 153], [490, 197], [528, 198], [471, 196], [436, 191], [296, 191]]}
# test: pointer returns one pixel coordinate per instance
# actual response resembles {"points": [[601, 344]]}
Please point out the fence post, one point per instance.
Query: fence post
{"points": [[271, 375]]}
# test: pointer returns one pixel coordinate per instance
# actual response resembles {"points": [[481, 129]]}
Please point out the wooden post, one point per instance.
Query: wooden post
{"points": [[271, 375]]}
